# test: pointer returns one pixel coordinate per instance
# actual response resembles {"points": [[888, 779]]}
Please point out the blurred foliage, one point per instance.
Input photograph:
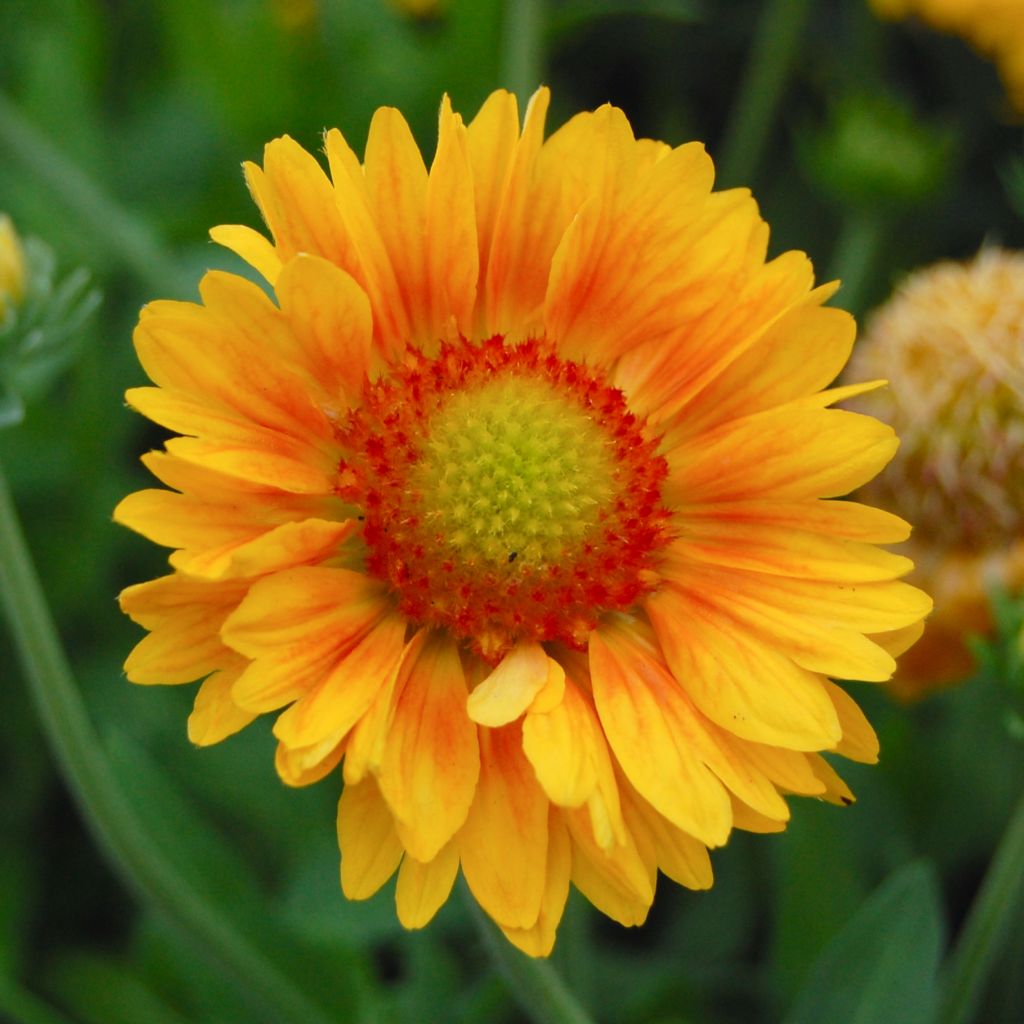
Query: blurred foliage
{"points": [[159, 101]]}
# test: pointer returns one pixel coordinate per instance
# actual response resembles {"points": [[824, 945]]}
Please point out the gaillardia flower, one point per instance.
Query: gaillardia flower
{"points": [[994, 27], [951, 342], [514, 500]]}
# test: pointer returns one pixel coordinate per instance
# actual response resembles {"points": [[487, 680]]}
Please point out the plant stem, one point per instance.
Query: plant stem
{"points": [[761, 90], [127, 236], [854, 258], [18, 1006], [981, 939], [85, 768], [522, 46], [534, 984]]}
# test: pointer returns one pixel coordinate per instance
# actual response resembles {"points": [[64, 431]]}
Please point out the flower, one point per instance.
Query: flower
{"points": [[994, 27], [951, 341], [514, 502], [12, 266]]}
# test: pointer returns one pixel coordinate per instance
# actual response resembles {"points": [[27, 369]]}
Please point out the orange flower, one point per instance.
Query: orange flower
{"points": [[513, 500], [950, 342], [994, 27]]}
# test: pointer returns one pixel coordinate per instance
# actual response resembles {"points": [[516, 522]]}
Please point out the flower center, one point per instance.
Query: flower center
{"points": [[506, 493]]}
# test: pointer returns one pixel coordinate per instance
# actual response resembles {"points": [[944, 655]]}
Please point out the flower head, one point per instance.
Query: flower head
{"points": [[951, 343], [513, 500], [994, 27]]}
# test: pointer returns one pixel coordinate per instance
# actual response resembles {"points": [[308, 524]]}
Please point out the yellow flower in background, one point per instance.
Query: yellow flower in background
{"points": [[951, 343], [513, 502], [12, 265], [994, 27]]}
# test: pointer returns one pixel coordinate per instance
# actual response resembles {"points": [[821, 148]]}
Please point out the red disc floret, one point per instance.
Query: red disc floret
{"points": [[490, 605]]}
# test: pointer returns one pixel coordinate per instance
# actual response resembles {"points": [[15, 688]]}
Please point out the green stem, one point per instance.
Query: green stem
{"points": [[981, 940], [764, 83], [19, 1006], [534, 984], [855, 254], [522, 48], [85, 768], [127, 236]]}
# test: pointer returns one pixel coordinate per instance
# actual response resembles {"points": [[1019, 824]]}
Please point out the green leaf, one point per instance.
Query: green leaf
{"points": [[883, 966]]}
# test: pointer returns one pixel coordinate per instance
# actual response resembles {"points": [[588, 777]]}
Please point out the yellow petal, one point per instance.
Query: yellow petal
{"points": [[617, 882], [288, 545], [788, 769], [504, 841], [452, 257], [678, 855], [297, 202], [836, 791], [256, 250], [785, 454], [370, 849], [490, 141], [631, 692], [431, 758], [391, 329], [782, 551], [896, 641], [396, 186], [308, 765], [366, 741], [297, 624], [330, 315], [742, 684], [345, 695], [423, 888], [509, 690], [859, 742], [540, 939], [553, 690], [215, 715], [749, 820], [567, 749], [842, 519]]}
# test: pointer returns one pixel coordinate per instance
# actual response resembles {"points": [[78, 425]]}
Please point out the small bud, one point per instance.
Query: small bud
{"points": [[40, 322]]}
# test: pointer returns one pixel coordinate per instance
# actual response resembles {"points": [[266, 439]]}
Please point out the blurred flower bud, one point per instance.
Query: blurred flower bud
{"points": [[994, 27], [40, 321], [12, 266], [874, 151], [951, 344]]}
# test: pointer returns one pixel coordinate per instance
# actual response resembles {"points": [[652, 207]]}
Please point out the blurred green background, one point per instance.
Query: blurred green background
{"points": [[890, 147]]}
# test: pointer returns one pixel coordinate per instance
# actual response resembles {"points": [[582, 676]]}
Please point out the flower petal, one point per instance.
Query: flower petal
{"points": [[784, 454], [334, 706], [330, 315], [510, 689], [253, 247], [539, 940], [859, 742], [431, 759], [742, 684], [423, 888], [370, 848], [296, 624], [215, 715], [504, 841], [632, 692]]}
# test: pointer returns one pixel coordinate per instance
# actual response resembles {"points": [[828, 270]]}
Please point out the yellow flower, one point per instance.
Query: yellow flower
{"points": [[514, 499], [951, 342], [12, 265], [994, 27]]}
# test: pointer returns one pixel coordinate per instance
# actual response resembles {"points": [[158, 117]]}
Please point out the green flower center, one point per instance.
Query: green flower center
{"points": [[514, 471]]}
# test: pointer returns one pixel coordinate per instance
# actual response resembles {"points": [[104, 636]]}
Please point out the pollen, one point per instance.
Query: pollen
{"points": [[507, 493]]}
